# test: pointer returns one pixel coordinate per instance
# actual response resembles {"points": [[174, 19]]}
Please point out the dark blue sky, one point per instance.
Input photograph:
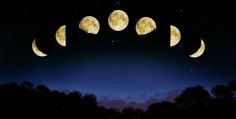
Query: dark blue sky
{"points": [[119, 63]]}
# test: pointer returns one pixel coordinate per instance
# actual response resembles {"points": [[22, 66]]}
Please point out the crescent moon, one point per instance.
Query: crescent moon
{"points": [[175, 36], [145, 25], [61, 35], [118, 20], [90, 25], [36, 50], [200, 51]]}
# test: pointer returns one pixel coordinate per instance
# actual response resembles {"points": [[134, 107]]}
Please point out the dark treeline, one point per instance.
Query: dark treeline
{"points": [[25, 101]]}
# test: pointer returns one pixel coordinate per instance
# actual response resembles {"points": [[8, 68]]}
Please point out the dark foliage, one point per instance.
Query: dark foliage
{"points": [[28, 102]]}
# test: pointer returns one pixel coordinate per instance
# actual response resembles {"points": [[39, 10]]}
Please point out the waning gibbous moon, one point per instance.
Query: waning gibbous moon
{"points": [[175, 35], [36, 50], [90, 25], [61, 35], [145, 25], [200, 51], [118, 20]]}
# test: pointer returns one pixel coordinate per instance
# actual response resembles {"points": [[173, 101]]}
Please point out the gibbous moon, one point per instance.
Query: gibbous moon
{"points": [[118, 20], [145, 25], [200, 51], [175, 35], [90, 25], [36, 50], [61, 35]]}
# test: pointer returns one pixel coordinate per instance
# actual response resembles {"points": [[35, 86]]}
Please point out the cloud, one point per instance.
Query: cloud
{"points": [[121, 104], [171, 95], [141, 102]]}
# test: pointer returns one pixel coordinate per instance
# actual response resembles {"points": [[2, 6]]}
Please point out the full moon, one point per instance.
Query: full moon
{"points": [[118, 20], [36, 50], [175, 35], [200, 51], [61, 35], [145, 25], [90, 25]]}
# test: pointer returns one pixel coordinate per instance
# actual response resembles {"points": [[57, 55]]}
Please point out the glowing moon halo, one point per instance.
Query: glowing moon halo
{"points": [[145, 25], [200, 51], [36, 50], [61, 35], [90, 25], [175, 36], [118, 20]]}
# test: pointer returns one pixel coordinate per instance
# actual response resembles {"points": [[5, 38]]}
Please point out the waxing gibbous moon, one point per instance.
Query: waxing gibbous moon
{"points": [[118, 20], [36, 50], [200, 51], [90, 25], [175, 35], [61, 35], [145, 25]]}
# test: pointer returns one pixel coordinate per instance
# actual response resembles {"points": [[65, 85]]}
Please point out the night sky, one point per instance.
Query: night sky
{"points": [[118, 63]]}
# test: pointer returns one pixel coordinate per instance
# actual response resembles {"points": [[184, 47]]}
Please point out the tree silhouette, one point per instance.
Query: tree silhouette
{"points": [[28, 85], [131, 113], [193, 103], [38, 102], [232, 86], [223, 104], [222, 92], [163, 110], [42, 89]]}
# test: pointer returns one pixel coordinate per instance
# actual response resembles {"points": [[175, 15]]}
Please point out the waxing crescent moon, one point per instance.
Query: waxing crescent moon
{"points": [[175, 36], [61, 35], [118, 20], [90, 25], [200, 51], [145, 25], [36, 50]]}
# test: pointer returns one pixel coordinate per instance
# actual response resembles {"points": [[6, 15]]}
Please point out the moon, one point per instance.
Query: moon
{"points": [[36, 50], [175, 36], [90, 25], [61, 35], [200, 51], [145, 25], [118, 20]]}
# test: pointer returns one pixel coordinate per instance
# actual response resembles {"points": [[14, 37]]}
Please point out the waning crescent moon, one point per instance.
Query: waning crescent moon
{"points": [[36, 50], [61, 35], [175, 36], [200, 51]]}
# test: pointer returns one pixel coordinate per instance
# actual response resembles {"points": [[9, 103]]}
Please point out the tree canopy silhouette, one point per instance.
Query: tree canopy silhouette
{"points": [[38, 102]]}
